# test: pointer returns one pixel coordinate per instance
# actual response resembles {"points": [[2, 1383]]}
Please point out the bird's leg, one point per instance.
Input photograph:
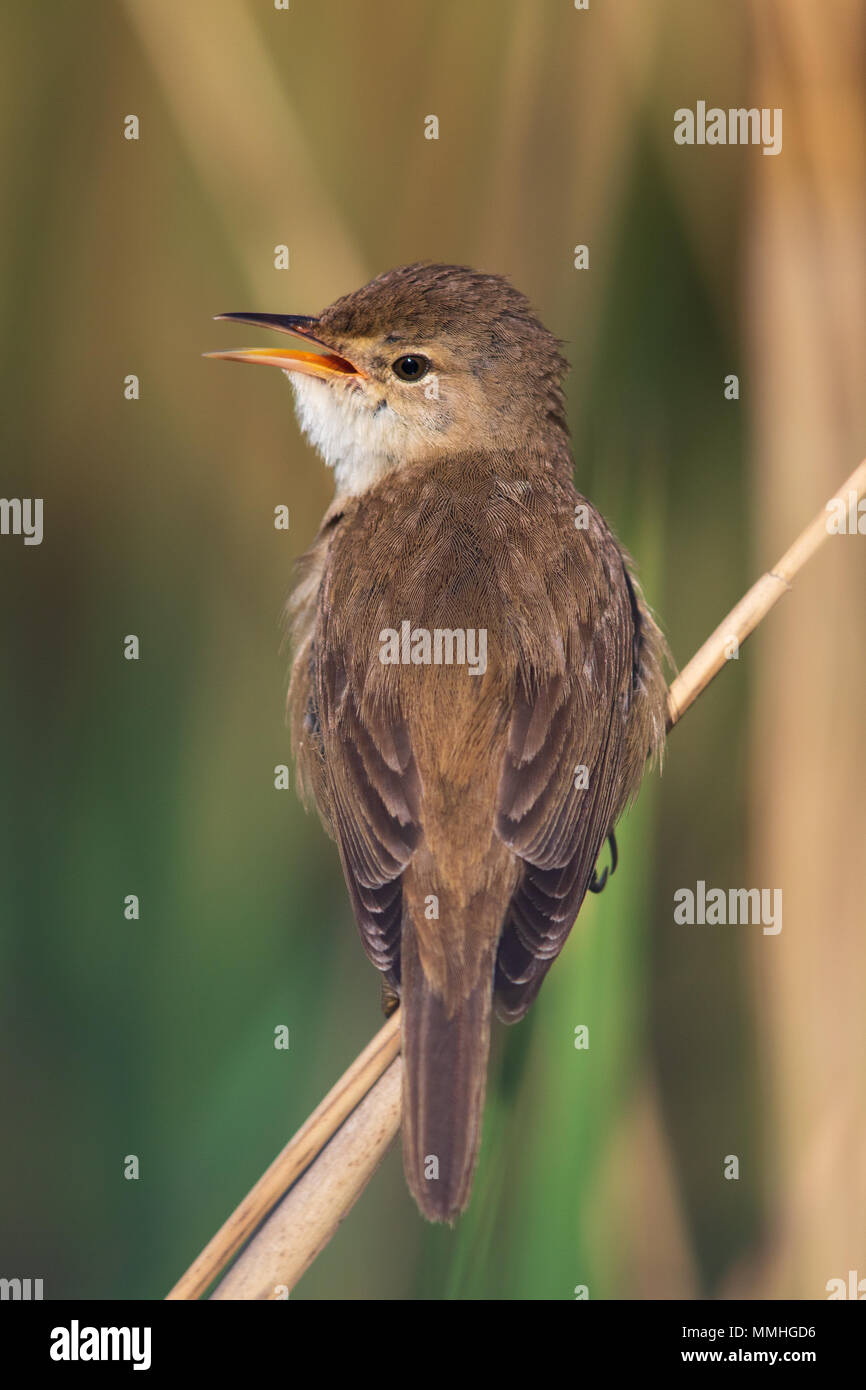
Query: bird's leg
{"points": [[596, 884]]}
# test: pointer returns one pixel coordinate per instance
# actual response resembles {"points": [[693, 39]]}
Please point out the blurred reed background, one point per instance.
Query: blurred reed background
{"points": [[155, 1038]]}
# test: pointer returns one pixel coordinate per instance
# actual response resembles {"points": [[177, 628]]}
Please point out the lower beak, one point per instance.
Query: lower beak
{"points": [[327, 365]]}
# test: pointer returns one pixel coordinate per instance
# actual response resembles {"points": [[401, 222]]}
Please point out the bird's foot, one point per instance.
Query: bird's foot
{"points": [[596, 884], [390, 999]]}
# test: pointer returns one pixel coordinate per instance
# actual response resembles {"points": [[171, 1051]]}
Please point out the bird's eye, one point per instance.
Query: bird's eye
{"points": [[411, 367]]}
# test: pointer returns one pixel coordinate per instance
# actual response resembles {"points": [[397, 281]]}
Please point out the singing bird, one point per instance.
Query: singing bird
{"points": [[469, 801]]}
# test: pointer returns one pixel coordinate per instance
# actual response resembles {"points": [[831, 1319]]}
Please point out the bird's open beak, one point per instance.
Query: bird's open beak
{"points": [[327, 365]]}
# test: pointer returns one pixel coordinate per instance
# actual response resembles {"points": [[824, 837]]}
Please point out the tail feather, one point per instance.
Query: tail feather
{"points": [[445, 1056]]}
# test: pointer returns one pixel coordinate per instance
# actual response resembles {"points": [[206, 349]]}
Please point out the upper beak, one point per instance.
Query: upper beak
{"points": [[328, 365]]}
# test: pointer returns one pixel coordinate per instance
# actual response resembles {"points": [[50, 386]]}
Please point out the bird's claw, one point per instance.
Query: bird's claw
{"points": [[596, 884]]}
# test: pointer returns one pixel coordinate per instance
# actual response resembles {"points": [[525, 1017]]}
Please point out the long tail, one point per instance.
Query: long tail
{"points": [[444, 1079]]}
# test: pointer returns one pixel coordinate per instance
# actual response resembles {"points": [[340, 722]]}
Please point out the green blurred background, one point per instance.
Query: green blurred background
{"points": [[306, 128]]}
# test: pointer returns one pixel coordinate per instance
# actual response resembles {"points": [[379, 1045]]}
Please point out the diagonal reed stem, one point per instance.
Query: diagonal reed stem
{"points": [[336, 1152], [299, 1153]]}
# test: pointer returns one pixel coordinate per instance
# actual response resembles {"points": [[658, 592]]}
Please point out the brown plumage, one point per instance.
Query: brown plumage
{"points": [[467, 835]]}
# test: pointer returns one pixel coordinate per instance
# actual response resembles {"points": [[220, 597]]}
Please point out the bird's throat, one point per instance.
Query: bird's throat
{"points": [[361, 445]]}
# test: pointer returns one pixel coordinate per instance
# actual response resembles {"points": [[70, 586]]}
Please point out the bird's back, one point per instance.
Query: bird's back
{"points": [[451, 785]]}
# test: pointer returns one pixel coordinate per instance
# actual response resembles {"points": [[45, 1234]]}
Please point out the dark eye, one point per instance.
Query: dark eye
{"points": [[411, 367]]}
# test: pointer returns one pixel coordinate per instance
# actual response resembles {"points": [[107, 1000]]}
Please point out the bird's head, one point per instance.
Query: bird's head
{"points": [[424, 360]]}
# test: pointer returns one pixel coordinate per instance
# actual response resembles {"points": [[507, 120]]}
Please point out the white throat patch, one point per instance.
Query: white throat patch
{"points": [[358, 442]]}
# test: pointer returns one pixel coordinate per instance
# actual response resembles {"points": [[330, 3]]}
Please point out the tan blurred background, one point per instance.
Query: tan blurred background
{"points": [[260, 128]]}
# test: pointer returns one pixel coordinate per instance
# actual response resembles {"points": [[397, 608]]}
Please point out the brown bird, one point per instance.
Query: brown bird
{"points": [[477, 682]]}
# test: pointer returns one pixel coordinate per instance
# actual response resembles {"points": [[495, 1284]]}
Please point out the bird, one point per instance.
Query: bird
{"points": [[470, 799]]}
